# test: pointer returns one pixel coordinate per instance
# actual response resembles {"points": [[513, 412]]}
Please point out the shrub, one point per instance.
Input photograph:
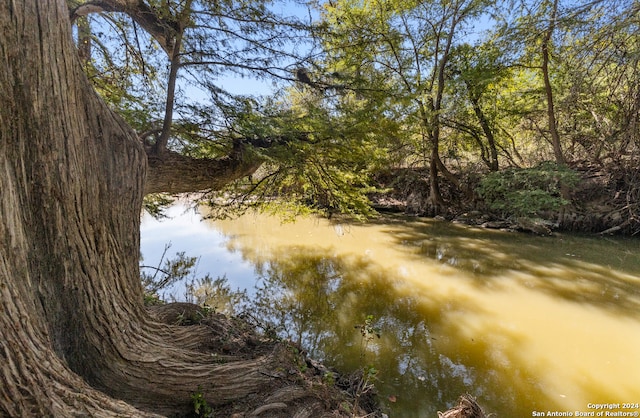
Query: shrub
{"points": [[526, 192]]}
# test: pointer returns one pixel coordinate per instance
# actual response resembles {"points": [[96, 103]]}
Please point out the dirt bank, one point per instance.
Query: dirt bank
{"points": [[605, 200]]}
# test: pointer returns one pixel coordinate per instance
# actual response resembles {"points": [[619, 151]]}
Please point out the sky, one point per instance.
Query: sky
{"points": [[251, 85], [186, 231]]}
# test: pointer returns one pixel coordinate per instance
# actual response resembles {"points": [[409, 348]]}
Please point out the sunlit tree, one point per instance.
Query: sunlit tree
{"points": [[401, 51]]}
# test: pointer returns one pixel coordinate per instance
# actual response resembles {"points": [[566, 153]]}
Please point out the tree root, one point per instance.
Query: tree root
{"points": [[285, 383], [268, 407]]}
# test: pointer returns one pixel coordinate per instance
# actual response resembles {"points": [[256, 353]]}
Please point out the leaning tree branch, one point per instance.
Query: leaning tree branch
{"points": [[163, 140], [161, 29], [174, 173]]}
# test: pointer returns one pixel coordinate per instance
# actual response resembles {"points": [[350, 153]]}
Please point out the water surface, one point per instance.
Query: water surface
{"points": [[523, 323]]}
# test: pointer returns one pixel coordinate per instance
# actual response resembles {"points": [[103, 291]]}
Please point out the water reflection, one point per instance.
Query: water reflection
{"points": [[317, 298], [523, 323]]}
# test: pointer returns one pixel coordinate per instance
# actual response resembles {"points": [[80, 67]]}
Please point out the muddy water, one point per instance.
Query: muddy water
{"points": [[525, 324]]}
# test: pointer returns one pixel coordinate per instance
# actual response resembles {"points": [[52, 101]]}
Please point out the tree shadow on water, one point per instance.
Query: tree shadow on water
{"points": [[600, 272]]}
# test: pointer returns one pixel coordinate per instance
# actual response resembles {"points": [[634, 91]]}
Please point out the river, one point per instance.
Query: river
{"points": [[525, 324]]}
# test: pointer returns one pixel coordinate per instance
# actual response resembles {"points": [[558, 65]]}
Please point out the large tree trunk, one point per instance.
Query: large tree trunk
{"points": [[74, 335], [63, 157]]}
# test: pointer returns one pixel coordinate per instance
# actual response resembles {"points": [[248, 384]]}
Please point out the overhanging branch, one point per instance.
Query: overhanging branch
{"points": [[162, 30], [176, 173]]}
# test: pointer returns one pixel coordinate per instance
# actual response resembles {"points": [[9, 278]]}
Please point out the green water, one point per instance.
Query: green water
{"points": [[522, 323]]}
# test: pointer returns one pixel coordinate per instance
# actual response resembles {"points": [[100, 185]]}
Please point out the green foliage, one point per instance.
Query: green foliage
{"points": [[329, 378], [152, 299], [200, 406], [527, 191], [369, 373], [368, 331], [215, 295], [392, 83], [318, 156], [164, 275], [155, 204]]}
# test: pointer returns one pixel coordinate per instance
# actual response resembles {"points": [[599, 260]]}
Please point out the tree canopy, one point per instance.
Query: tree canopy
{"points": [[352, 87]]}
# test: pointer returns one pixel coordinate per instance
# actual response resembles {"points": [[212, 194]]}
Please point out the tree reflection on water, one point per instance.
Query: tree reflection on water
{"points": [[317, 300]]}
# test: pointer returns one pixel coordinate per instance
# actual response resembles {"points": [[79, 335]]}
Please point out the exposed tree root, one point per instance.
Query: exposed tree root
{"points": [[270, 378]]}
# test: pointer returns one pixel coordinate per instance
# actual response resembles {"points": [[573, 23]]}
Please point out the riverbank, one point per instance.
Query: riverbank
{"points": [[301, 387], [605, 200]]}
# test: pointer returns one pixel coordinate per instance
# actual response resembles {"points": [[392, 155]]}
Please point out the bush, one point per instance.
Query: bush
{"points": [[526, 192]]}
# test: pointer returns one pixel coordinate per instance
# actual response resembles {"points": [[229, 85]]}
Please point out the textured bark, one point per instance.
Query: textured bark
{"points": [[171, 172], [54, 180], [75, 338]]}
